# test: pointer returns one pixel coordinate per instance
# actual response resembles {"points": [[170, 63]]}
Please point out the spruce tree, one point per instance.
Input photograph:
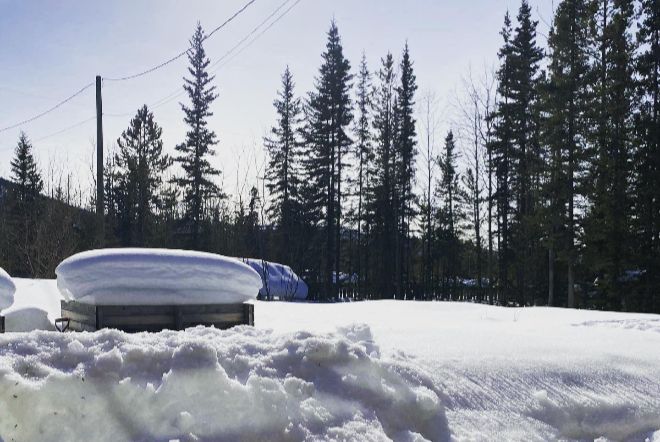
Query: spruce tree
{"points": [[607, 234], [525, 58], [566, 104], [405, 157], [140, 165], [647, 160], [451, 214], [364, 157], [501, 149], [381, 202], [25, 173], [194, 152], [329, 114], [283, 146]]}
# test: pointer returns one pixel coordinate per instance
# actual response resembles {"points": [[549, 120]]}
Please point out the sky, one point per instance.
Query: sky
{"points": [[52, 49]]}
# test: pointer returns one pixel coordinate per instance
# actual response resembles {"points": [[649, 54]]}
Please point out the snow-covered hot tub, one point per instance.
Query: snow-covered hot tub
{"points": [[149, 289]]}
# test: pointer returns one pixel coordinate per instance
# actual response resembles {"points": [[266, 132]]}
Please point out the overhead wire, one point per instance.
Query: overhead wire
{"points": [[182, 53]]}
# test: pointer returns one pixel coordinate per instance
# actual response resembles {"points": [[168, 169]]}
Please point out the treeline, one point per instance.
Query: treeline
{"points": [[546, 190]]}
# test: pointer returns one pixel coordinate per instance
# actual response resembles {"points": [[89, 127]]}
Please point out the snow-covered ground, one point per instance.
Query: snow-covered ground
{"points": [[365, 371]]}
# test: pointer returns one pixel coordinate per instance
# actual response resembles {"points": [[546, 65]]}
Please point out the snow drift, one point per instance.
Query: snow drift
{"points": [[278, 280], [7, 290], [155, 276], [240, 384]]}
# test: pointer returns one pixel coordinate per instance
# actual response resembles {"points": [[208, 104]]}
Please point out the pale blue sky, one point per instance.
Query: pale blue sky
{"points": [[50, 49]]}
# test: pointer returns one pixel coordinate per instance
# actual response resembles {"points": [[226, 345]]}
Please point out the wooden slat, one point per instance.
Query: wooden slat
{"points": [[2, 324], [78, 307], [114, 321], [191, 318]]}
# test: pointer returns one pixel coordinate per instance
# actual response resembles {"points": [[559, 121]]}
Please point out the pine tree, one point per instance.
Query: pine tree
{"points": [[140, 166], [566, 104], [283, 147], [405, 157], [25, 172], [501, 149], [364, 156], [194, 153], [525, 58], [607, 236], [647, 161], [329, 114], [381, 202]]}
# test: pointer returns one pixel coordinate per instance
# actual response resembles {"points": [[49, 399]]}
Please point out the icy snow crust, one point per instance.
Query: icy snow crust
{"points": [[155, 276], [278, 280], [241, 384], [7, 289], [501, 374]]}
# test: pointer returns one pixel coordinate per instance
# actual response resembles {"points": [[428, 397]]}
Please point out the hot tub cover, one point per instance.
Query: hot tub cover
{"points": [[134, 276]]}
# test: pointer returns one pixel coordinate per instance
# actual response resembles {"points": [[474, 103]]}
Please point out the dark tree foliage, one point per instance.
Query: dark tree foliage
{"points": [[193, 154], [136, 179], [283, 174], [607, 231], [405, 156], [25, 173], [329, 113], [566, 104]]}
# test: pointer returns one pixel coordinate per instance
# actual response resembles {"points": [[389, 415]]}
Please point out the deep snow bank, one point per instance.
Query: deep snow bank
{"points": [[155, 276], [7, 289], [205, 383]]}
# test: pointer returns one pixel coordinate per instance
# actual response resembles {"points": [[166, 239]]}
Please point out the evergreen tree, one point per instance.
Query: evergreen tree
{"points": [[502, 151], [381, 202], [364, 156], [405, 157], [194, 153], [607, 235], [451, 216], [647, 161], [25, 172], [140, 165], [566, 104], [329, 114], [282, 175], [525, 58]]}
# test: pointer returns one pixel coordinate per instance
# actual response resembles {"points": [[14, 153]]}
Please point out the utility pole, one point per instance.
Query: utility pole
{"points": [[99, 161]]}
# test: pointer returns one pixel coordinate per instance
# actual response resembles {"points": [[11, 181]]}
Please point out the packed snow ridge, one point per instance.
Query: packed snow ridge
{"points": [[240, 384]]}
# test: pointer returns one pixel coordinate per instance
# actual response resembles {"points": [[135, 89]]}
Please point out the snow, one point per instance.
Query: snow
{"points": [[7, 289], [155, 276], [278, 280], [369, 370]]}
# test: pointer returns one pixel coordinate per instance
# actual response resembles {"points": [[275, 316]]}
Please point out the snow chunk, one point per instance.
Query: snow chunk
{"points": [[7, 290], [155, 276], [278, 280], [209, 384]]}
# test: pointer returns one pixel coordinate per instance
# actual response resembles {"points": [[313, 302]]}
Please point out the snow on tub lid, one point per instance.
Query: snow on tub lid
{"points": [[155, 277], [7, 289]]}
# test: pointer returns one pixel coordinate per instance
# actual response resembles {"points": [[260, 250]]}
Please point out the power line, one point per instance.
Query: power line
{"points": [[66, 100], [66, 129], [181, 54], [179, 91]]}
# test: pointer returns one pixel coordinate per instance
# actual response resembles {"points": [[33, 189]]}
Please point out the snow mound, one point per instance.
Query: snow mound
{"points": [[7, 290], [155, 276], [278, 280], [650, 324], [208, 384]]}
